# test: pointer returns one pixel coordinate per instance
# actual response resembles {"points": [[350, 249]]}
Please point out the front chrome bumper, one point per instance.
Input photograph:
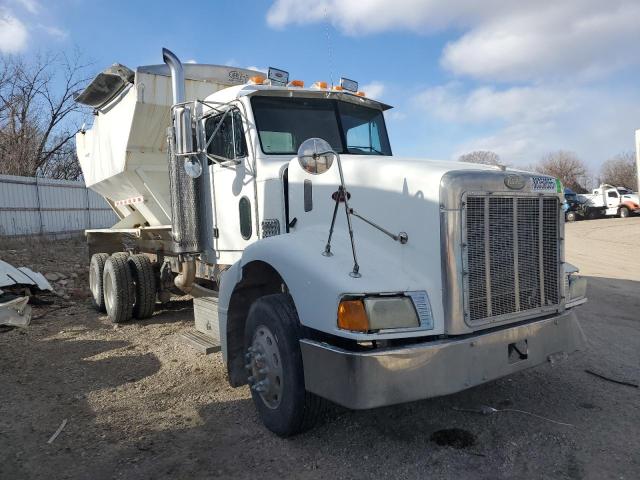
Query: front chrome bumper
{"points": [[360, 380]]}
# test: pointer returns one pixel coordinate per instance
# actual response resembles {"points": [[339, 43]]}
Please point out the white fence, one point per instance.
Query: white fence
{"points": [[43, 206]]}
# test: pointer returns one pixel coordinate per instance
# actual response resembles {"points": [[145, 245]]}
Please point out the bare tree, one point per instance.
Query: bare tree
{"points": [[485, 157], [565, 166], [621, 171], [38, 115]]}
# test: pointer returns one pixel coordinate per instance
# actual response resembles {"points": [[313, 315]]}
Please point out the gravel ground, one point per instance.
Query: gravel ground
{"points": [[140, 404]]}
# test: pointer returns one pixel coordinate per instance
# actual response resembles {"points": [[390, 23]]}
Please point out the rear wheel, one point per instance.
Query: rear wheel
{"points": [[118, 285], [274, 364], [623, 212], [96, 271], [144, 281]]}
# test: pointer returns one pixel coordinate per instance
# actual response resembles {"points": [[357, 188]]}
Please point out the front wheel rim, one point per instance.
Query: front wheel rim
{"points": [[265, 367]]}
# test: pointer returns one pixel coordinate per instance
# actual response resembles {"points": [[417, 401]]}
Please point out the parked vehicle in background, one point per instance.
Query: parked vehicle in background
{"points": [[576, 207], [612, 201], [328, 268]]}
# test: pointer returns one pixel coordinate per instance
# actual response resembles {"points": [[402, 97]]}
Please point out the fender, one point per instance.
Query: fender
{"points": [[316, 283]]}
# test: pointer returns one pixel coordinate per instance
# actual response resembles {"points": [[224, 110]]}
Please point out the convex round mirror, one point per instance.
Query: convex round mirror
{"points": [[193, 167], [315, 156]]}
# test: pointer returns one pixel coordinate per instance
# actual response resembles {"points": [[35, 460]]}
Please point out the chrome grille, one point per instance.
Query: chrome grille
{"points": [[512, 255]]}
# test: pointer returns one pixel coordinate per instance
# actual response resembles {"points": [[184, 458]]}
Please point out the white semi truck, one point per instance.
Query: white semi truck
{"points": [[609, 200], [328, 268]]}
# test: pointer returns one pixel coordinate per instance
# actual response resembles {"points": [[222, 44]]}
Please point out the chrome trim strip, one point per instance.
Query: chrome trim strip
{"points": [[516, 272], [541, 249], [487, 256]]}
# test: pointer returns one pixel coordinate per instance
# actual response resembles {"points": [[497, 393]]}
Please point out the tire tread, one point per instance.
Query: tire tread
{"points": [[143, 277], [99, 259], [121, 274]]}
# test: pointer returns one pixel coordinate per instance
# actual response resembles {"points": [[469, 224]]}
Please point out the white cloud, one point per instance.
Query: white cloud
{"points": [[516, 104], [257, 69], [500, 40], [526, 122], [191, 60], [32, 6], [13, 33], [550, 42], [373, 90], [56, 32]]}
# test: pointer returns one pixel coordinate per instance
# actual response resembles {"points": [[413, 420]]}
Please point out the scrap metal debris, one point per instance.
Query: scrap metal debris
{"points": [[612, 380], [15, 312], [18, 284], [487, 410], [11, 276], [57, 432]]}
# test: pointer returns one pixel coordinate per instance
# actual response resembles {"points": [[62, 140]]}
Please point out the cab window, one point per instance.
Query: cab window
{"points": [[612, 194], [229, 141]]}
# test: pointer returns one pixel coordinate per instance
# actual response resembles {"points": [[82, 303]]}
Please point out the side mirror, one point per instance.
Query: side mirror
{"points": [[315, 156]]}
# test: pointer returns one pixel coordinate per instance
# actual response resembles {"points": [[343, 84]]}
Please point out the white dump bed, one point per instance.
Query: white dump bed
{"points": [[124, 154]]}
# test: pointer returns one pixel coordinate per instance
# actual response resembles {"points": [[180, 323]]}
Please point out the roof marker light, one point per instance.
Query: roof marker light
{"points": [[349, 85], [295, 83], [360, 94], [319, 85], [337, 88], [278, 77], [257, 80]]}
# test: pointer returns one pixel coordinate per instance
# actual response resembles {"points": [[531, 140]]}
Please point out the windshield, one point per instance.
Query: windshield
{"points": [[284, 123]]}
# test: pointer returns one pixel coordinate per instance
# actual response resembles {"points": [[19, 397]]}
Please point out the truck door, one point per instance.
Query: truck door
{"points": [[233, 184], [612, 198]]}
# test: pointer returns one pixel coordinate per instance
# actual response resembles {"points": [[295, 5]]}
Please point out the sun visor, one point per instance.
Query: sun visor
{"points": [[106, 86]]}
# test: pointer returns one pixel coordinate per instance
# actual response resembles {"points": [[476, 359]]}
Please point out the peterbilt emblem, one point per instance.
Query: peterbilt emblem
{"points": [[514, 182]]}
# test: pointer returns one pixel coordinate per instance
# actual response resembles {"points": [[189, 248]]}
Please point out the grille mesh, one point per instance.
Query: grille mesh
{"points": [[508, 240]]}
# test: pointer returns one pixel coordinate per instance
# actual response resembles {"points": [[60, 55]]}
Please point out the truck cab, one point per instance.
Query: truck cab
{"points": [[615, 201], [337, 271]]}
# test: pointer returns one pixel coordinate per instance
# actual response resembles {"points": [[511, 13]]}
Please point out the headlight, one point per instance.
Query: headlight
{"points": [[377, 313]]}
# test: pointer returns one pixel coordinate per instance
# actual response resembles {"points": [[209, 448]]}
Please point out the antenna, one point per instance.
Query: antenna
{"points": [[330, 59]]}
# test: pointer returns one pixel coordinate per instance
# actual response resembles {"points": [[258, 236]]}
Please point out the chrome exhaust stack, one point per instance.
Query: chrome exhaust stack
{"points": [[185, 189]]}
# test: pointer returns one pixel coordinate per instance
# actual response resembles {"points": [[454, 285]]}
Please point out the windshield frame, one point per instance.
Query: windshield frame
{"points": [[336, 109]]}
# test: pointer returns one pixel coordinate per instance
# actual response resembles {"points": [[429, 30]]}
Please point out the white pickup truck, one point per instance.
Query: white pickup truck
{"points": [[327, 267], [612, 201]]}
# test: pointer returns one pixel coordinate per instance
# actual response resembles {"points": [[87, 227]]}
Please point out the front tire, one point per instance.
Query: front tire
{"points": [[274, 364], [96, 271], [117, 285], [623, 212]]}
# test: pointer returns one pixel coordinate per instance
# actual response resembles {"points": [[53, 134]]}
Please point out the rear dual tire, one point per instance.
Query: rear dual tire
{"points": [[118, 289], [123, 285]]}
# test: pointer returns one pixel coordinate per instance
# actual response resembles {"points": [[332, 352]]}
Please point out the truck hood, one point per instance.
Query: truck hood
{"points": [[417, 176]]}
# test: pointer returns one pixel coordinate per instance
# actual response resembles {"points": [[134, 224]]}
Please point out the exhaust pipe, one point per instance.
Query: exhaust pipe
{"points": [[177, 75], [185, 190]]}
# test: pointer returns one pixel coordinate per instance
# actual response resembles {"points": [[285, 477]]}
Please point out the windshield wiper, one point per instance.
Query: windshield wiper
{"points": [[372, 149]]}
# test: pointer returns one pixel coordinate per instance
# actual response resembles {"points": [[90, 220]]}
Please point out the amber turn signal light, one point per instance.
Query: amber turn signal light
{"points": [[353, 316]]}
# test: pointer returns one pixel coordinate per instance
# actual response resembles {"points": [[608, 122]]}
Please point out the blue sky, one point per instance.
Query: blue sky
{"points": [[519, 78]]}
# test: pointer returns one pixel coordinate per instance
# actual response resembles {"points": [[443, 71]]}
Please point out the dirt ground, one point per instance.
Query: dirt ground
{"points": [[141, 404]]}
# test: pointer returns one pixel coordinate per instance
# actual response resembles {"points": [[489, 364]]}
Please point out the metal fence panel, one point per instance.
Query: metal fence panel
{"points": [[40, 206]]}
